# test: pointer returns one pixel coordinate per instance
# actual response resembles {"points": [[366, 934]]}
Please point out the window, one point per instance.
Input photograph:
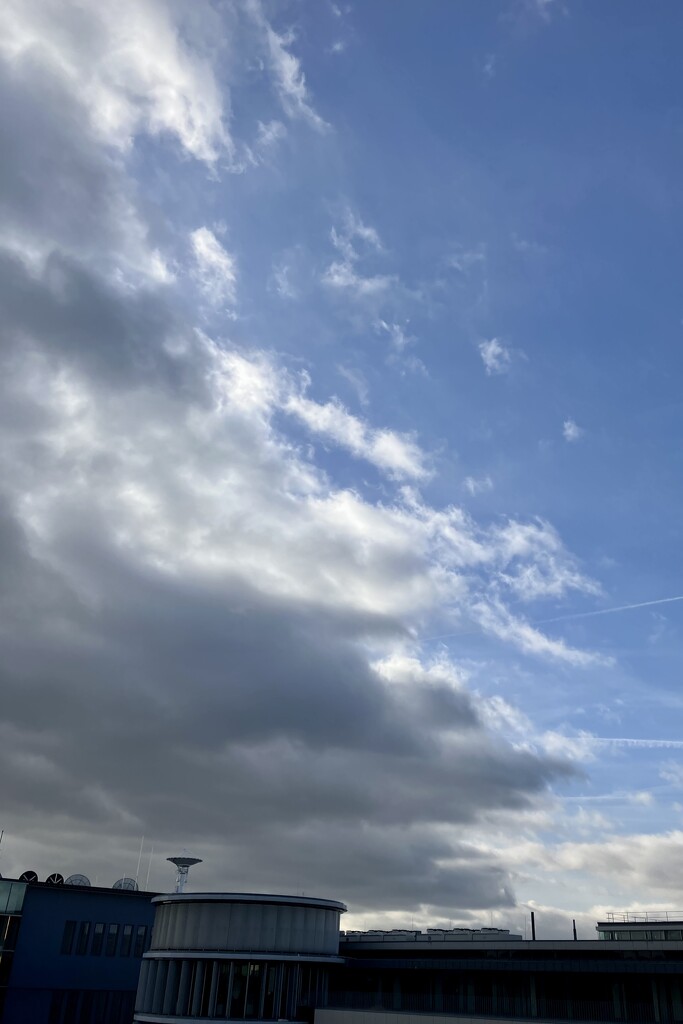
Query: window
{"points": [[126, 940], [68, 937], [140, 937], [97, 939], [112, 939], [83, 936]]}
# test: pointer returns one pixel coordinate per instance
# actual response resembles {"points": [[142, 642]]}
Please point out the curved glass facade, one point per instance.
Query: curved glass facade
{"points": [[227, 989]]}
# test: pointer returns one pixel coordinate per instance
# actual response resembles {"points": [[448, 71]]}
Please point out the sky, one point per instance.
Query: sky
{"points": [[340, 455]]}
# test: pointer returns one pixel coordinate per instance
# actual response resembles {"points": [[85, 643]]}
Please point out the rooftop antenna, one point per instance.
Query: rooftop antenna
{"points": [[149, 867], [137, 870], [183, 864]]}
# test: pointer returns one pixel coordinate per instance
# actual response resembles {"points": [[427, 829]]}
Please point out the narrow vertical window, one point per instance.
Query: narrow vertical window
{"points": [[140, 938], [97, 939], [68, 937], [126, 940], [112, 939], [83, 936]]}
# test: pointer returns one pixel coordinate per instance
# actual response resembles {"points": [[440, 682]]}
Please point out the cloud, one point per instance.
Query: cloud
{"points": [[496, 619], [464, 260], [288, 76], [342, 274], [477, 485], [537, 564], [135, 73], [215, 269], [495, 356], [545, 8], [397, 454], [571, 431], [489, 65], [397, 335], [188, 597], [358, 382]]}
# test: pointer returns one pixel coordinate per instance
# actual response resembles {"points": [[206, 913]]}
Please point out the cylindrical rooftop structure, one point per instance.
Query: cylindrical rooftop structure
{"points": [[238, 956]]}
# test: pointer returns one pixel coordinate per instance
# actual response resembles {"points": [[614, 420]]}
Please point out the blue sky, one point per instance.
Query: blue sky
{"points": [[342, 370]]}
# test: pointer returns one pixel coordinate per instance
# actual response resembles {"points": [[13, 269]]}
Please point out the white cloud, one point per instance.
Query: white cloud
{"points": [[477, 485], [495, 618], [134, 72], [495, 356], [270, 133], [215, 268], [343, 274], [396, 454], [357, 380], [672, 772], [545, 8], [536, 563], [289, 78], [489, 65], [397, 335], [464, 260], [571, 431]]}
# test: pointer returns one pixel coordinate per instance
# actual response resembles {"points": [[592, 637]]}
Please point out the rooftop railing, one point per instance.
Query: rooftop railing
{"points": [[643, 916]]}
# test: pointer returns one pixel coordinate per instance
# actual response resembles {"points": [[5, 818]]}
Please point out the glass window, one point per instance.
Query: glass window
{"points": [[251, 1009], [11, 896], [83, 936], [674, 935], [658, 936], [68, 937], [239, 987], [126, 940], [97, 939], [269, 995], [140, 938], [112, 939], [222, 989]]}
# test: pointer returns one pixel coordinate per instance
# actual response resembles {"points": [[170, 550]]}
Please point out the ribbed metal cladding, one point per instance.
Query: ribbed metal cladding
{"points": [[233, 925], [238, 956]]}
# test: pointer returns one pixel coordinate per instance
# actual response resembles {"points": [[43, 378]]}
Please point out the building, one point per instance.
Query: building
{"points": [[637, 978], [73, 954], [70, 954], [253, 957], [240, 956]]}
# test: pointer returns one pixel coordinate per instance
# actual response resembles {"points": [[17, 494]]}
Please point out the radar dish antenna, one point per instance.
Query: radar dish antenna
{"points": [[28, 876], [55, 879], [183, 865], [82, 880], [129, 884]]}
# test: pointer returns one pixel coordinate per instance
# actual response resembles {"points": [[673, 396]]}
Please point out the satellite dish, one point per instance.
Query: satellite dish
{"points": [[55, 879], [28, 876], [126, 883], [77, 880]]}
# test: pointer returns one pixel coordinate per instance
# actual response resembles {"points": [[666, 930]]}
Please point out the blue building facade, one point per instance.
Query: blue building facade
{"points": [[70, 954]]}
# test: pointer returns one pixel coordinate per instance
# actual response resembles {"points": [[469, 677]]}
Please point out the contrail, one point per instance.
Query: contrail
{"points": [[609, 611], [622, 741], [572, 615]]}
